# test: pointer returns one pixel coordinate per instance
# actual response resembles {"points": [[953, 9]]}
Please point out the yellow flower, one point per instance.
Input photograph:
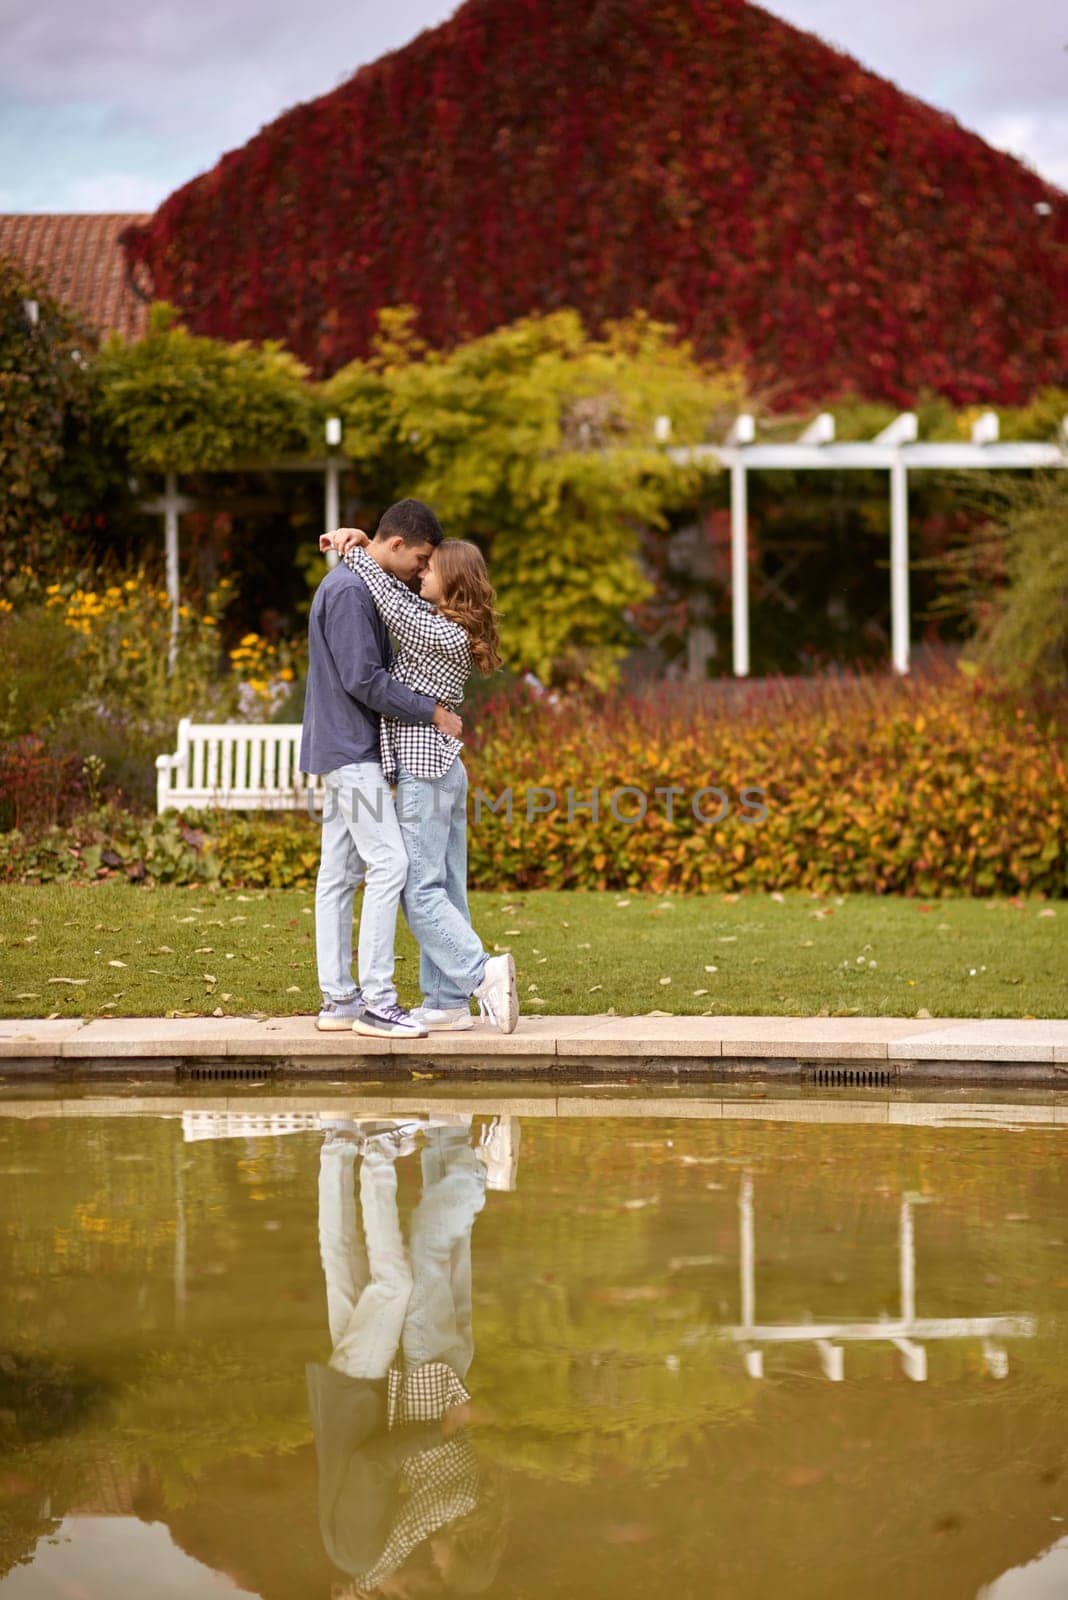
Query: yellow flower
{"points": [[53, 588], [251, 638], [130, 585], [287, 674], [113, 592], [209, 622], [257, 684], [5, 605]]}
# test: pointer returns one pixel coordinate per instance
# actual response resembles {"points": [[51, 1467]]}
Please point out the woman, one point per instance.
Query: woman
{"points": [[442, 634]]}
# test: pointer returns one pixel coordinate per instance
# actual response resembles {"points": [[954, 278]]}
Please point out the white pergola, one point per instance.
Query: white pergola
{"points": [[171, 505], [906, 1332], [897, 450]]}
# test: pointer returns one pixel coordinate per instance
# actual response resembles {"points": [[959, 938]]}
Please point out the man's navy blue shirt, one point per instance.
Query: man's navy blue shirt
{"points": [[349, 686]]}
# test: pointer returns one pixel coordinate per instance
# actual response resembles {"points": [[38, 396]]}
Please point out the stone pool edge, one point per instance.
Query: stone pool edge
{"points": [[846, 1050]]}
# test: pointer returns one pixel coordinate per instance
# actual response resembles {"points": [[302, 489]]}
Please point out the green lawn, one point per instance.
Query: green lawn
{"points": [[112, 949]]}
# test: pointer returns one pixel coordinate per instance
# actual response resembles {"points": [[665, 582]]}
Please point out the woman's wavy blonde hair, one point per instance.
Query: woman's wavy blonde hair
{"points": [[468, 597]]}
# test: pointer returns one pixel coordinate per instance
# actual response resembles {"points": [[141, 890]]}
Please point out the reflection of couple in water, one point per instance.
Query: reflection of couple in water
{"points": [[405, 1507]]}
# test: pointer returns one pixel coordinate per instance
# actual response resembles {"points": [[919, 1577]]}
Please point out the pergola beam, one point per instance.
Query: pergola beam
{"points": [[897, 450]]}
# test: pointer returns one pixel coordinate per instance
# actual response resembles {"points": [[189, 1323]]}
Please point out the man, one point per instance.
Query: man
{"points": [[349, 688]]}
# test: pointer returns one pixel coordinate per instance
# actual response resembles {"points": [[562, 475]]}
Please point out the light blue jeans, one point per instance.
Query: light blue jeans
{"points": [[365, 1262], [432, 815], [437, 1324], [361, 843]]}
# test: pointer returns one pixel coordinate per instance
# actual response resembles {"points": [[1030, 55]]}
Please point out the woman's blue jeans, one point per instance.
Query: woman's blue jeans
{"points": [[432, 813]]}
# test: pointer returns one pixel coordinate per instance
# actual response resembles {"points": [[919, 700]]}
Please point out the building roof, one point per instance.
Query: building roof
{"points": [[79, 260]]}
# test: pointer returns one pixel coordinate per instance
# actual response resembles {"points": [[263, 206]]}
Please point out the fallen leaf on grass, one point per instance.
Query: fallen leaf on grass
{"points": [[593, 988], [204, 950], [664, 982], [697, 992], [67, 980], [711, 969], [116, 963], [293, 988]]}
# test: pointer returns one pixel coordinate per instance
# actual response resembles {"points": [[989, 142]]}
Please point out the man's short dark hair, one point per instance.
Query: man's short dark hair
{"points": [[412, 521]]}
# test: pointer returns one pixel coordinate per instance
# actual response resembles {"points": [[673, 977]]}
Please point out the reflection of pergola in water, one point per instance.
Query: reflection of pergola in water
{"points": [[906, 1332]]}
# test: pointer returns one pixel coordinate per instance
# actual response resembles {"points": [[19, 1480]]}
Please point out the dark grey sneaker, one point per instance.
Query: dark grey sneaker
{"points": [[388, 1022], [337, 1016]]}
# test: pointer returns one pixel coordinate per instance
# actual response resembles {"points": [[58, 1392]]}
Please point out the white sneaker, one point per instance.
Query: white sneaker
{"points": [[496, 994], [341, 1130], [499, 1149], [387, 1022], [400, 1140], [443, 1019]]}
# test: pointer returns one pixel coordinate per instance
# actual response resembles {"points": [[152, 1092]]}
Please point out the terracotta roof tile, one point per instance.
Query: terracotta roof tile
{"points": [[79, 260]]}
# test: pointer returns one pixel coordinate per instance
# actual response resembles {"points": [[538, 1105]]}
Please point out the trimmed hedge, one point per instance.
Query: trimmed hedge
{"points": [[938, 786]]}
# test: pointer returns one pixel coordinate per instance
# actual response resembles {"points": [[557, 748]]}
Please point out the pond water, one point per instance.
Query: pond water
{"points": [[682, 1355]]}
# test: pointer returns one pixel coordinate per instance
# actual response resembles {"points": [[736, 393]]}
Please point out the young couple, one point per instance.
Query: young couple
{"points": [[371, 721], [391, 1408]]}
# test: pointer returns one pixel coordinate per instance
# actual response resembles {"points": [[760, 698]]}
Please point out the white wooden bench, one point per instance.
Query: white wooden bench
{"points": [[237, 766]]}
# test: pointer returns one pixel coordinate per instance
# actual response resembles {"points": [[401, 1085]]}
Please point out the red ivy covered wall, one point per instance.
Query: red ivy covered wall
{"points": [[698, 159]]}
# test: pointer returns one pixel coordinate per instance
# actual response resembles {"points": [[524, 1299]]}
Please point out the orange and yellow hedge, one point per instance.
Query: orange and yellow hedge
{"points": [[939, 786], [883, 785]]}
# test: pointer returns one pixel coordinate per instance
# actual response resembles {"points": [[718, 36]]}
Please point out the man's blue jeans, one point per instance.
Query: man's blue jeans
{"points": [[361, 843], [432, 813]]}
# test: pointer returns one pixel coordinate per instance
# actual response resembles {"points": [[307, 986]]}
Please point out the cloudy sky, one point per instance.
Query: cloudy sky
{"points": [[108, 105]]}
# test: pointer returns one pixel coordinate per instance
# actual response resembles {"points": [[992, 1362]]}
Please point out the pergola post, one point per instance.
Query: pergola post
{"points": [[899, 566], [742, 433], [740, 568], [170, 541], [170, 505], [902, 431], [332, 508]]}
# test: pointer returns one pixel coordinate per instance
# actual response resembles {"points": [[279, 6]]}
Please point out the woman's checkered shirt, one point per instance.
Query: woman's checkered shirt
{"points": [[433, 657], [440, 1483]]}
